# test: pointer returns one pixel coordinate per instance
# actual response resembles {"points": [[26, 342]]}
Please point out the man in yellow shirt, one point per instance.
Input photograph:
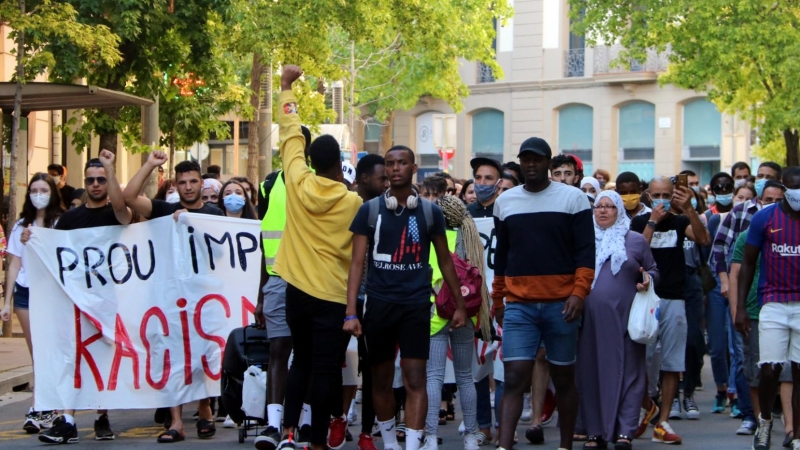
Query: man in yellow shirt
{"points": [[313, 258]]}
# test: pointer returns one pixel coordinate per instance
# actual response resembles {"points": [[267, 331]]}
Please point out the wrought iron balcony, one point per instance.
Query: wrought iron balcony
{"points": [[574, 62], [485, 74], [604, 56]]}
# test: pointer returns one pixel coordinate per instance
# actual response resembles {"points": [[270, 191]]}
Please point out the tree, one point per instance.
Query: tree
{"points": [[418, 52], [34, 24], [157, 41], [744, 53]]}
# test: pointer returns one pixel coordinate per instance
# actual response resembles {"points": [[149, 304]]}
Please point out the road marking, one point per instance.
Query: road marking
{"points": [[20, 421], [13, 435]]}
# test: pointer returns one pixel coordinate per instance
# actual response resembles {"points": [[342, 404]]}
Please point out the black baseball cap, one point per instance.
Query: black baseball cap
{"points": [[535, 145], [481, 161]]}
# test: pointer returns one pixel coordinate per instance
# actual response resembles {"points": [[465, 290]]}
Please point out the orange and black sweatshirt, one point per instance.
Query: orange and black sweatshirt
{"points": [[545, 245]]}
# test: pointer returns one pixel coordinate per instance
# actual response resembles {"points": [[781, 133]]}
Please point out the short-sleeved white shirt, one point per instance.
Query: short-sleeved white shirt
{"points": [[17, 248]]}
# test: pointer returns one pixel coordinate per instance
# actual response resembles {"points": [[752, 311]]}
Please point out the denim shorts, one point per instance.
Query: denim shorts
{"points": [[526, 325], [21, 297]]}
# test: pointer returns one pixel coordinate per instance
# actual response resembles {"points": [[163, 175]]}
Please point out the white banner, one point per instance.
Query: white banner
{"points": [[137, 316], [486, 230]]}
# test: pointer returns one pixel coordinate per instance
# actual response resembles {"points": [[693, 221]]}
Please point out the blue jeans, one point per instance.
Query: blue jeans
{"points": [[526, 325], [717, 319], [484, 413], [737, 373]]}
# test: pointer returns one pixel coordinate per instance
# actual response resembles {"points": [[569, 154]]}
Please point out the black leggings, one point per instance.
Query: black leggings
{"points": [[316, 327]]}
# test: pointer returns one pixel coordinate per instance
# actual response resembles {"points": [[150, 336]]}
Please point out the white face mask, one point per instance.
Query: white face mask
{"points": [[739, 182], [173, 198], [792, 197], [57, 180], [40, 201]]}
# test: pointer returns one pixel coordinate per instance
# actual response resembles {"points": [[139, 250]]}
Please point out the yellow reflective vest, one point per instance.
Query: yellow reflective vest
{"points": [[274, 221]]}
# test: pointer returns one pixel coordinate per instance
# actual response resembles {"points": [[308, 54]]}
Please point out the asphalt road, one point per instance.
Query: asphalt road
{"points": [[136, 430]]}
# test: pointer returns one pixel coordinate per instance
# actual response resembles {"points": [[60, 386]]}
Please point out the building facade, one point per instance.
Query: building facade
{"points": [[557, 88]]}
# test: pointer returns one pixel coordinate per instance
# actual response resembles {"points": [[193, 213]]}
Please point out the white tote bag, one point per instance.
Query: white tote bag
{"points": [[254, 392], [643, 320]]}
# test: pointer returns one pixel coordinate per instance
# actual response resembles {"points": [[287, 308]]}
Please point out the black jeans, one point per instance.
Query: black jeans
{"points": [[317, 338], [695, 341]]}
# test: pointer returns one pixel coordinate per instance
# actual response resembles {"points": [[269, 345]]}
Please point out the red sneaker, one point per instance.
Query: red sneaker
{"points": [[336, 433], [549, 407], [365, 442]]}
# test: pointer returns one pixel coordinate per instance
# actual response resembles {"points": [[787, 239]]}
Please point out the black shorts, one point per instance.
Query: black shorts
{"points": [[389, 325]]}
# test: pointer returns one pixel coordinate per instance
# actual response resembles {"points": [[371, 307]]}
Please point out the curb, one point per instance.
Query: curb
{"points": [[15, 379]]}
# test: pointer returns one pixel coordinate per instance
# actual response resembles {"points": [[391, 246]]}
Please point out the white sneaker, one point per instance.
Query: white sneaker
{"points": [[431, 443], [359, 396], [47, 418], [31, 424], [228, 423], [352, 416], [796, 444], [471, 442], [527, 411]]}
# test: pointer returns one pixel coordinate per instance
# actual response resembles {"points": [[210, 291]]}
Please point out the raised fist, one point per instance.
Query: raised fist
{"points": [[106, 158], [157, 158], [289, 74]]}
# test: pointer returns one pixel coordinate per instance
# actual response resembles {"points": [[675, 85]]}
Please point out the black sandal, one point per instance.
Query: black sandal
{"points": [[170, 436], [599, 443], [623, 445], [451, 412], [206, 429], [442, 417]]}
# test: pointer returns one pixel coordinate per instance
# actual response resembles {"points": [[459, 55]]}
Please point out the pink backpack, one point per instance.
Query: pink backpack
{"points": [[471, 283]]}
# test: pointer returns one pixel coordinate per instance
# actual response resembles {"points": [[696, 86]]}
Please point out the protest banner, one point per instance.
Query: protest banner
{"points": [[137, 316]]}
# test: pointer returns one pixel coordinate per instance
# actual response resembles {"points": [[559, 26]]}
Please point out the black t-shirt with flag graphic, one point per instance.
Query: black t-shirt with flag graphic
{"points": [[398, 252]]}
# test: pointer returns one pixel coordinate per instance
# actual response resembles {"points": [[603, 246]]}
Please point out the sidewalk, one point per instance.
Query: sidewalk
{"points": [[15, 362]]}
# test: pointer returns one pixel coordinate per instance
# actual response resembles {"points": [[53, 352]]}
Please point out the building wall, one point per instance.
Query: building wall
{"points": [[532, 50]]}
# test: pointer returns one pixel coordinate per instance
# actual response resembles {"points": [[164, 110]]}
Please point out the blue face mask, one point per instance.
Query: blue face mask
{"points": [[696, 188], [711, 200], [725, 199], [760, 183], [484, 192], [661, 201], [233, 203], [694, 203]]}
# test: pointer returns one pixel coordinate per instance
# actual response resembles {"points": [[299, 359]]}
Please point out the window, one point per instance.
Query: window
{"points": [[637, 138], [487, 134], [575, 132], [574, 60], [372, 136], [485, 73], [702, 131]]}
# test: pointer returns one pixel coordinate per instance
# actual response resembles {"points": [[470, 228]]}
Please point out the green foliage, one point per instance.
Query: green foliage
{"points": [[48, 21], [157, 45], [774, 150], [744, 53], [416, 49]]}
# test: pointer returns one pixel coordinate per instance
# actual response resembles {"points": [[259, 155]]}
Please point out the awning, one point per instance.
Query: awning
{"points": [[55, 96]]}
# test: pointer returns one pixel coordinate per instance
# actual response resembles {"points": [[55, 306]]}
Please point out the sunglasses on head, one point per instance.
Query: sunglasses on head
{"points": [[100, 180]]}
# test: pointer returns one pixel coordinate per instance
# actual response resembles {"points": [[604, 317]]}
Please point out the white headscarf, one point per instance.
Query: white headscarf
{"points": [[610, 243], [595, 184], [210, 183]]}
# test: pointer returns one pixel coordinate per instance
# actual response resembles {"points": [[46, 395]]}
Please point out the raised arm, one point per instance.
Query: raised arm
{"points": [[293, 143], [142, 205], [121, 211], [696, 231]]}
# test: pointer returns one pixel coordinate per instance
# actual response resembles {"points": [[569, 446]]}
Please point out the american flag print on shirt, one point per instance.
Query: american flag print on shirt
{"points": [[409, 242]]}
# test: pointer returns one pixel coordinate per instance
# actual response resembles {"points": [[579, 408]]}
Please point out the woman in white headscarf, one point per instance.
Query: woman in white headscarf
{"points": [[610, 369], [591, 187], [210, 191]]}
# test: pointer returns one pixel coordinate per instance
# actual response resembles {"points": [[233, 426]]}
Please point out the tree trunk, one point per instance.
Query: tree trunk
{"points": [[792, 138], [172, 154], [386, 133], [12, 194], [252, 132], [108, 140]]}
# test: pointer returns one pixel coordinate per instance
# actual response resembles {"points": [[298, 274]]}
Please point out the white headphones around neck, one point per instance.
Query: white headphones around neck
{"points": [[411, 201]]}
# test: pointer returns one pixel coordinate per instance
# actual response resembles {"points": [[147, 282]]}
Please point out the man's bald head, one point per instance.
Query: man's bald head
{"points": [[661, 188]]}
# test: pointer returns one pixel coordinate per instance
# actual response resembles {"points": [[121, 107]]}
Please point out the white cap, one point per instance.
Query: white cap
{"points": [[349, 172]]}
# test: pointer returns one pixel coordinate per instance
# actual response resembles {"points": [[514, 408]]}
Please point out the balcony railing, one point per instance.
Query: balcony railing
{"points": [[574, 62], [485, 74], [604, 56]]}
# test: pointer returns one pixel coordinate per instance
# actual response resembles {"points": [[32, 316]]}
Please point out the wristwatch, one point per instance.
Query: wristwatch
{"points": [[651, 224]]}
